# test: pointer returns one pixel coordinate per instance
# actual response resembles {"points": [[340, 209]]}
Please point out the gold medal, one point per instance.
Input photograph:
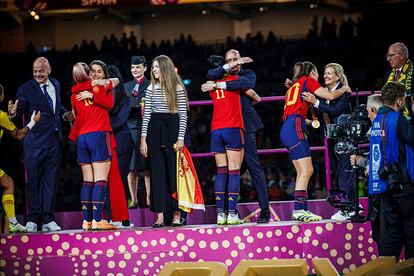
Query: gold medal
{"points": [[316, 124]]}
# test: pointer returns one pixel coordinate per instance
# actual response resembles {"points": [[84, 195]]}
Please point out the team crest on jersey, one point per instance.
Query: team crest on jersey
{"points": [[95, 89]]}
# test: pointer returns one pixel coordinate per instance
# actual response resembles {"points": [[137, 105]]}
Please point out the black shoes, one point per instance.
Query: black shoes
{"points": [[264, 216], [133, 205], [158, 225]]}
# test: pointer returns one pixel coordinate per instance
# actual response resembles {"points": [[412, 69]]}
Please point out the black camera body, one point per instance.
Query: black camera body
{"points": [[350, 130], [391, 173]]}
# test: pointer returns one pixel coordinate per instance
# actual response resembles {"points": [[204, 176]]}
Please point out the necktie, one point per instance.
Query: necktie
{"points": [[48, 98], [135, 92], [397, 75]]}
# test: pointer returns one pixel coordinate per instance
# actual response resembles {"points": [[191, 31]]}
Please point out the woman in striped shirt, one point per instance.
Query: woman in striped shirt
{"points": [[163, 125]]}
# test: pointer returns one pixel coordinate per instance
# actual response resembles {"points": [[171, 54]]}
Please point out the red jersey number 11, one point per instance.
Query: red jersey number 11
{"points": [[218, 94]]}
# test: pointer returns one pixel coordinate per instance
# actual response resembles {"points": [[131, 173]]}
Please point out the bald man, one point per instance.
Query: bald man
{"points": [[42, 152], [401, 71]]}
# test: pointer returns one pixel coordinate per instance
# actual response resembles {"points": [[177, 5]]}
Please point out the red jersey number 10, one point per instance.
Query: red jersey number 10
{"points": [[292, 94]]}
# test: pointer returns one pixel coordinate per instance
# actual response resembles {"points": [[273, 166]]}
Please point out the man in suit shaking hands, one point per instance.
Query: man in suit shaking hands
{"points": [[41, 146]]}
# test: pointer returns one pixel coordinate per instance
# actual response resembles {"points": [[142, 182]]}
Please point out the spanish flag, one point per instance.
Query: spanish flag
{"points": [[189, 194]]}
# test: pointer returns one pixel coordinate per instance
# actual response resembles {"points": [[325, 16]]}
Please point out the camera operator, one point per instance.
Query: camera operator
{"points": [[335, 78], [391, 172], [374, 102]]}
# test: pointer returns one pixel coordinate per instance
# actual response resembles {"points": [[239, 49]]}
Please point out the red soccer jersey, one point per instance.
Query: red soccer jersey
{"points": [[227, 111], [91, 115], [294, 104]]}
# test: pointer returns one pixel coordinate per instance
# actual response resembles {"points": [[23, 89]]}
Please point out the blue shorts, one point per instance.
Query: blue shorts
{"points": [[293, 137], [226, 139], [94, 147]]}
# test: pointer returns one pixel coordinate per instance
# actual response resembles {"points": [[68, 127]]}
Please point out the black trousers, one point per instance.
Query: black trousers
{"points": [[162, 135], [42, 168], [256, 171], [397, 223]]}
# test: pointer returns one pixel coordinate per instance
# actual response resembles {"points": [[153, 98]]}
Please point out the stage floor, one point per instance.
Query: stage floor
{"points": [[144, 251]]}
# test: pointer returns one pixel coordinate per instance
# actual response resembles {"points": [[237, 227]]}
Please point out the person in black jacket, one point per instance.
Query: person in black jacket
{"points": [[135, 90]]}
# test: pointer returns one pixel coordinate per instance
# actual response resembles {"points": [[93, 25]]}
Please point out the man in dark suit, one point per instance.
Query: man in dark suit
{"points": [[252, 122], [42, 152], [135, 90]]}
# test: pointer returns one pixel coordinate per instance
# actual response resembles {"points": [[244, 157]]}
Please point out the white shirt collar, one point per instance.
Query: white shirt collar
{"points": [[335, 87], [48, 83]]}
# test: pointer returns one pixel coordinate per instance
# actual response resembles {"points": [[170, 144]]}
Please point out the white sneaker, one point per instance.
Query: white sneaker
{"points": [[31, 227], [342, 216], [51, 227], [116, 223]]}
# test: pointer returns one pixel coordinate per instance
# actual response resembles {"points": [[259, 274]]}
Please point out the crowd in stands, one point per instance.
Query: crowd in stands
{"points": [[359, 46]]}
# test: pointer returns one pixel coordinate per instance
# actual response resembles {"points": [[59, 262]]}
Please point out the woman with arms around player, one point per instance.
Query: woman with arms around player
{"points": [[92, 131], [293, 136]]}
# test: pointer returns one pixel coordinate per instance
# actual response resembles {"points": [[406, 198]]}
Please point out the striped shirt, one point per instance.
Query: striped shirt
{"points": [[156, 102]]}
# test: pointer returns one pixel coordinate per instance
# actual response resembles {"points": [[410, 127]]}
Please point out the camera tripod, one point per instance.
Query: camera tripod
{"points": [[357, 218]]}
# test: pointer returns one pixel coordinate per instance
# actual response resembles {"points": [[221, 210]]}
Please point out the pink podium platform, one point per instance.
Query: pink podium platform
{"points": [[144, 251]]}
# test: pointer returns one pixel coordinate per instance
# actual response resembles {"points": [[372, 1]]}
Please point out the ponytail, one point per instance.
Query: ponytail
{"points": [[302, 69]]}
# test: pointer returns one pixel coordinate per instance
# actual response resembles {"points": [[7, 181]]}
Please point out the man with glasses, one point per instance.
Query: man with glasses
{"points": [[401, 71], [252, 122]]}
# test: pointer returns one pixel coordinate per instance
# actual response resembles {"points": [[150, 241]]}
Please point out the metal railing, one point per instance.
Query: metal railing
{"points": [[323, 148]]}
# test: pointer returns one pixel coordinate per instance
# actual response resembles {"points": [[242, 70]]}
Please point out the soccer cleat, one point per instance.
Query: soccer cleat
{"points": [[87, 225], [102, 225], [305, 216], [16, 228], [221, 218], [233, 219]]}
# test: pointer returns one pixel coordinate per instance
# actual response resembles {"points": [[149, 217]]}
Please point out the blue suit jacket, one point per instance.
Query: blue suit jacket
{"points": [[124, 142], [134, 119], [247, 80], [47, 132], [337, 107]]}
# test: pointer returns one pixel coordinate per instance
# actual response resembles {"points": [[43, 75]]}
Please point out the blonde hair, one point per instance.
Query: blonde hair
{"points": [[339, 71], [80, 72], [168, 80]]}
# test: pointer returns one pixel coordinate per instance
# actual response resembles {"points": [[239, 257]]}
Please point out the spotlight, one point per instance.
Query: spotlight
{"points": [[36, 17], [32, 13], [203, 12]]}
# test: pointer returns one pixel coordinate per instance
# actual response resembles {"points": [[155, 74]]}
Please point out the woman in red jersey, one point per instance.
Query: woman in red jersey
{"points": [[91, 130], [292, 133]]}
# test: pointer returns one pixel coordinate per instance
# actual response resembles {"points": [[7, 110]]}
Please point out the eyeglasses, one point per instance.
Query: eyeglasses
{"points": [[387, 56], [232, 59]]}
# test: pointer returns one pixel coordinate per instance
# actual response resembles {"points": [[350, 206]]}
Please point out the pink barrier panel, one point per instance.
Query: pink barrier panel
{"points": [[145, 251]]}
